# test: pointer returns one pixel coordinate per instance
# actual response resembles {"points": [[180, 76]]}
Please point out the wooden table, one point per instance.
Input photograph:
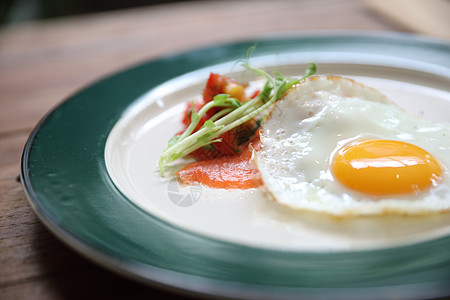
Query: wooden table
{"points": [[42, 63]]}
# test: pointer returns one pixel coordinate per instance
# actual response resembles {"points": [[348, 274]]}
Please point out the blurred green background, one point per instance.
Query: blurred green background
{"points": [[12, 11]]}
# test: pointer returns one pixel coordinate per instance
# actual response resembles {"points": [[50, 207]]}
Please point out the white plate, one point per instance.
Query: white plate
{"points": [[138, 138]]}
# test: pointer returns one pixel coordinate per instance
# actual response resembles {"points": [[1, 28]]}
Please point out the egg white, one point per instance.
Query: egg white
{"points": [[319, 116]]}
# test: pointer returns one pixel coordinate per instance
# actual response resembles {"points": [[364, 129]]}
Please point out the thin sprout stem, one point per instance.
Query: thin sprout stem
{"points": [[236, 113], [189, 140], [221, 113], [193, 123], [195, 147], [248, 116]]}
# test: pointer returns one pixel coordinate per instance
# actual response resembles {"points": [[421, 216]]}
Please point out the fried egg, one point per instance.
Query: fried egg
{"points": [[336, 146]]}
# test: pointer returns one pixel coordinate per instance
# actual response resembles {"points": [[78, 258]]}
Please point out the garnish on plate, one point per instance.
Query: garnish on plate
{"points": [[216, 120]]}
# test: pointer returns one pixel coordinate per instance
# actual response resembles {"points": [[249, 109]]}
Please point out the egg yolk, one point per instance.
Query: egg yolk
{"points": [[385, 167]]}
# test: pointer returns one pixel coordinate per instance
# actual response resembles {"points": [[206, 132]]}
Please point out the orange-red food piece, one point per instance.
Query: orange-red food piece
{"points": [[229, 172], [226, 164], [233, 141]]}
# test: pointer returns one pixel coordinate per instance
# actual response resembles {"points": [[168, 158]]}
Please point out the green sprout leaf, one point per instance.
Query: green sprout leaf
{"points": [[226, 100], [310, 71]]}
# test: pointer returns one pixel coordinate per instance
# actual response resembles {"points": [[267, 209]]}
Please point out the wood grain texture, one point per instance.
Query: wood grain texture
{"points": [[42, 63], [430, 17]]}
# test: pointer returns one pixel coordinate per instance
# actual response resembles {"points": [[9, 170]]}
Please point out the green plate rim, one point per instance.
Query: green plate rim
{"points": [[65, 179]]}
